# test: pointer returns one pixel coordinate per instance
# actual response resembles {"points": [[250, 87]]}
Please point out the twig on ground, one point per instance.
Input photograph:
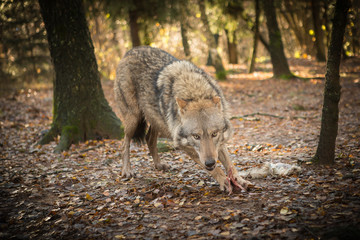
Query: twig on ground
{"points": [[257, 113], [88, 149], [302, 117]]}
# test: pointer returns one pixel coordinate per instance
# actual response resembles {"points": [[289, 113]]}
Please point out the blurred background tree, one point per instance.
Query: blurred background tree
{"points": [[276, 47], [24, 50], [176, 27]]}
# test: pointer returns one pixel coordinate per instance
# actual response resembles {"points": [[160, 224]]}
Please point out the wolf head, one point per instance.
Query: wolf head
{"points": [[204, 127]]}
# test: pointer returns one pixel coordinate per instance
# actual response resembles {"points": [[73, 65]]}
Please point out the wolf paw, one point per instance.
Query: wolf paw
{"points": [[235, 181], [162, 166], [127, 173]]}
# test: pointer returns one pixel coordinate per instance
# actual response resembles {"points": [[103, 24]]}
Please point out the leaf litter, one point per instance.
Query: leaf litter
{"points": [[80, 194]]}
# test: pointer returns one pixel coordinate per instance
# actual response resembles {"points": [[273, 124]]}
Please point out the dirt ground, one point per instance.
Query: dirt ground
{"points": [[80, 194]]}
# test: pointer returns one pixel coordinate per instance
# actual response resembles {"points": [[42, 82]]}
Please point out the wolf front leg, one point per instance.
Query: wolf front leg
{"points": [[151, 140], [233, 175], [217, 173]]}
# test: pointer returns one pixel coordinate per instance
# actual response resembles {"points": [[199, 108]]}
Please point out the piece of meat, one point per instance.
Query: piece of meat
{"points": [[232, 182]]}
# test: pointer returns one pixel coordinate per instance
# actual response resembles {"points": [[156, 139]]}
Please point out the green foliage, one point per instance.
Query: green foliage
{"points": [[164, 146], [148, 13], [70, 130], [285, 76], [298, 107], [221, 75], [24, 50]]}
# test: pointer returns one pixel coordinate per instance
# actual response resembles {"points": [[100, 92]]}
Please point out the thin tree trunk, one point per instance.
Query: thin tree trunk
{"points": [[185, 41], [297, 30], [147, 38], [264, 42], [327, 28], [134, 29], [30, 39], [210, 39], [278, 59], [81, 111], [232, 51], [356, 28], [184, 26], [295, 15], [325, 153], [319, 42], [249, 22], [256, 37]]}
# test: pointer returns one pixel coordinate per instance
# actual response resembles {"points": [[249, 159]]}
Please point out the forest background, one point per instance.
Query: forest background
{"points": [[175, 26], [276, 102]]}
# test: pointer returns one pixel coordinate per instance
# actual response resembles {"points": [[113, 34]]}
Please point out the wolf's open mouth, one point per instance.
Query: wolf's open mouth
{"points": [[210, 168]]}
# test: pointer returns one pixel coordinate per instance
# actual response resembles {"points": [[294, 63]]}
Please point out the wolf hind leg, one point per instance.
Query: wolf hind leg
{"points": [[151, 140], [126, 169], [216, 173], [131, 124]]}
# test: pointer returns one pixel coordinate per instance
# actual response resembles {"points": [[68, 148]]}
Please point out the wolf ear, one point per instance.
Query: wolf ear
{"points": [[216, 100], [182, 104]]}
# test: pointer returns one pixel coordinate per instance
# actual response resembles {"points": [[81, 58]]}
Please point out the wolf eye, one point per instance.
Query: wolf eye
{"points": [[196, 136], [214, 134]]}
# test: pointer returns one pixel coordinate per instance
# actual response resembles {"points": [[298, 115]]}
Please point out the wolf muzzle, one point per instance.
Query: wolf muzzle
{"points": [[210, 164]]}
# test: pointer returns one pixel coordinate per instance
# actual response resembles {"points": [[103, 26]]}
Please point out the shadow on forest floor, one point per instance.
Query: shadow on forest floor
{"points": [[79, 194]]}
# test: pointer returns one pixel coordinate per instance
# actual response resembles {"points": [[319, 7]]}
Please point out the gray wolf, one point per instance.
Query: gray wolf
{"points": [[158, 94]]}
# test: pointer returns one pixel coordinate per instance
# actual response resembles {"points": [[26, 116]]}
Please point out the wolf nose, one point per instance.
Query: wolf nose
{"points": [[209, 163]]}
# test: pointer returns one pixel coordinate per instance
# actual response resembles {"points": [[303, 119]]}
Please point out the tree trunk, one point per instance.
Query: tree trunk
{"points": [[134, 29], [356, 28], [184, 26], [147, 37], [319, 36], [210, 39], [256, 37], [326, 23], [278, 59], [325, 153], [81, 111], [232, 51], [296, 15], [249, 22], [185, 41]]}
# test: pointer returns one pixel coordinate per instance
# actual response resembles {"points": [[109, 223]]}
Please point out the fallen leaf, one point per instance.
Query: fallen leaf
{"points": [[285, 211], [88, 197]]}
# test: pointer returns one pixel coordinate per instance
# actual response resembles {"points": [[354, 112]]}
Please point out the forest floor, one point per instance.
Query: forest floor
{"points": [[80, 194]]}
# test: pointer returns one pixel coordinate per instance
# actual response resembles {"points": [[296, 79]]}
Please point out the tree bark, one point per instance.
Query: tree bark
{"points": [[256, 37], [185, 41], [278, 59], [210, 39], [325, 153], [232, 51], [184, 26], [81, 111], [296, 15], [249, 22], [134, 29], [356, 28], [319, 36]]}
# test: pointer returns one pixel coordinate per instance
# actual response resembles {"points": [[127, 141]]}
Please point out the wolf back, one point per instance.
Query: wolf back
{"points": [[159, 94], [155, 79]]}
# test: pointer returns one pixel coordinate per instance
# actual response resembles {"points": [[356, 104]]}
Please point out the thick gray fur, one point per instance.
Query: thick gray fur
{"points": [[158, 94]]}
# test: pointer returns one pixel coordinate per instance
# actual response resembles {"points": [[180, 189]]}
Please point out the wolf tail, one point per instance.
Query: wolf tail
{"points": [[140, 132]]}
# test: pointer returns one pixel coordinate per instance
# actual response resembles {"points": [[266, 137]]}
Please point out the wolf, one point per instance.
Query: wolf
{"points": [[160, 95]]}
